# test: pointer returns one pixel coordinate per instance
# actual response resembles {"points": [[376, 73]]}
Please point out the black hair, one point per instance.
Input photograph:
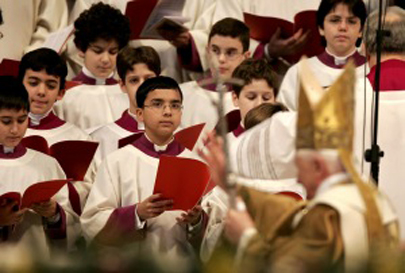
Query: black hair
{"points": [[13, 95], [130, 56], [101, 21], [160, 82], [251, 69], [233, 28], [356, 7], [44, 59]]}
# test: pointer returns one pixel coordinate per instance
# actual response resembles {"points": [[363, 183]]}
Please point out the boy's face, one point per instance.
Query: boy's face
{"points": [[161, 113], [43, 90], [252, 95], [13, 124], [227, 52], [341, 30], [133, 79], [101, 57]]}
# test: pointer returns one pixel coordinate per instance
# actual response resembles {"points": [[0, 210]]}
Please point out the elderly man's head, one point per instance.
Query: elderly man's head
{"points": [[394, 38], [316, 166]]}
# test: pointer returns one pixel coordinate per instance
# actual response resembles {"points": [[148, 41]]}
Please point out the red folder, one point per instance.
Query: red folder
{"points": [[262, 29], [9, 67], [71, 84], [233, 119], [186, 137], [36, 193], [183, 180], [138, 12], [189, 136], [74, 156], [129, 139]]}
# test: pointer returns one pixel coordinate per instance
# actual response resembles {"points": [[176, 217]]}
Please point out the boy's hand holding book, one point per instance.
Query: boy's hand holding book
{"points": [[9, 213], [46, 209], [153, 206]]}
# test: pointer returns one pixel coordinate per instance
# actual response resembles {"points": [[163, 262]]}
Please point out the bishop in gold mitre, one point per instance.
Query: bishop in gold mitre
{"points": [[346, 226]]}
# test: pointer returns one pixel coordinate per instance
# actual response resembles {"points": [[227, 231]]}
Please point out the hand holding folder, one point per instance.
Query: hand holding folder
{"points": [[183, 180], [36, 193]]}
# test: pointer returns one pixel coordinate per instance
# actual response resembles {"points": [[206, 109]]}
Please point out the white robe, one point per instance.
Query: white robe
{"points": [[28, 23], [17, 175], [125, 178], [262, 158], [65, 132], [325, 75], [91, 106], [391, 139], [108, 137]]}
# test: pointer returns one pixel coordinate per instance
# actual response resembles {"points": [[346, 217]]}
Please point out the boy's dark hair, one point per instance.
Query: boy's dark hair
{"points": [[262, 112], [233, 28], [356, 7], [101, 21], [251, 69], [44, 59], [160, 82], [129, 56], [13, 95]]}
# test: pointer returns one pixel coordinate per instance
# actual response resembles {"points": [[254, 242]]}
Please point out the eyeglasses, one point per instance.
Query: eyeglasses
{"points": [[230, 54], [160, 106]]}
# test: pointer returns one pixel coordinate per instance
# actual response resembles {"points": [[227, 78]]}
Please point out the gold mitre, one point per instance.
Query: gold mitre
{"points": [[325, 116]]}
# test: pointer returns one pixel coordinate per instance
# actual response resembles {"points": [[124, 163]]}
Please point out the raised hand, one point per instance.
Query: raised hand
{"points": [[215, 158], [46, 209], [178, 40], [191, 217], [153, 206], [279, 47], [9, 215]]}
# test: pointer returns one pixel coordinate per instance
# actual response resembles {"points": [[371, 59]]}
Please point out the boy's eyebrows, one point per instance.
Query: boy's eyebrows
{"points": [[162, 100], [10, 117], [38, 79], [226, 48]]}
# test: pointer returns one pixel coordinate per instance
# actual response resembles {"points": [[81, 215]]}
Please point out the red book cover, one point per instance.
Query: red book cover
{"points": [[36, 193], [9, 67], [138, 12], [183, 180], [233, 119], [74, 156], [71, 84], [262, 29], [189, 136], [129, 139]]}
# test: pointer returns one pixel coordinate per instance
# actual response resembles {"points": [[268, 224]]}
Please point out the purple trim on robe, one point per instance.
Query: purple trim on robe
{"points": [[57, 230], [128, 123], [74, 198], [19, 151], [392, 75], [121, 227], [212, 86], [259, 52], [49, 122], [189, 58], [238, 131], [147, 147], [83, 78], [329, 60]]}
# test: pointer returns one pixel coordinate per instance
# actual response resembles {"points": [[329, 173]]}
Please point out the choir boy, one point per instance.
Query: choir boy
{"points": [[43, 224], [122, 208]]}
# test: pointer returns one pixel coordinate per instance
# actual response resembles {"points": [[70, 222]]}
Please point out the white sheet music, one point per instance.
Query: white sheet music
{"points": [[57, 39]]}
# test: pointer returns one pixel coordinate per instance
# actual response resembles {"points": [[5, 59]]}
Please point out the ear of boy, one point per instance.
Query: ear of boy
{"points": [[235, 99]]}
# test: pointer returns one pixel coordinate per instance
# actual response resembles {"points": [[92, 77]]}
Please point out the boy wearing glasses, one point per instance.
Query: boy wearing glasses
{"points": [[228, 46], [121, 207]]}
